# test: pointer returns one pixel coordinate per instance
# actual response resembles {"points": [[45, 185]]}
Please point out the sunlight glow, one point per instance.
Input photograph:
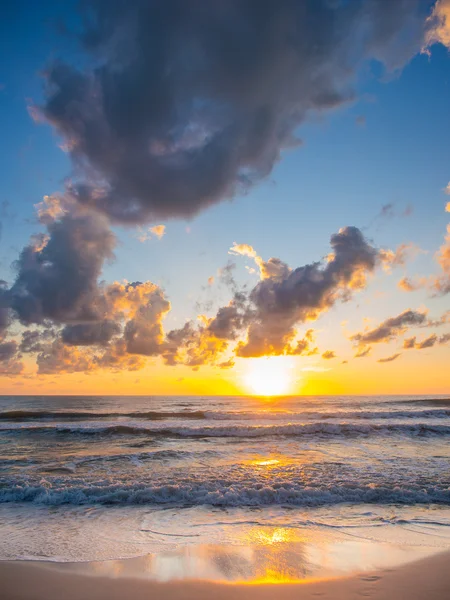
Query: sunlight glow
{"points": [[269, 376]]}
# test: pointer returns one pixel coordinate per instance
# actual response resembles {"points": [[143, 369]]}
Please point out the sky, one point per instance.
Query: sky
{"points": [[225, 198]]}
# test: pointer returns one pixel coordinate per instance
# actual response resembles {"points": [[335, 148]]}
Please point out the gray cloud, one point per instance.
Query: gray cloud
{"points": [[428, 342], [444, 339], [10, 365], [189, 103], [7, 351], [89, 334], [34, 340], [389, 358], [281, 302], [390, 328], [57, 273]]}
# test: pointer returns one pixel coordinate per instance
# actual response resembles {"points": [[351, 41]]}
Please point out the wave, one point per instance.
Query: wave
{"points": [[240, 431], [219, 493], [25, 415], [40, 415]]}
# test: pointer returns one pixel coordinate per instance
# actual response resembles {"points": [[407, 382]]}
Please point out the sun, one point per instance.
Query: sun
{"points": [[269, 376]]}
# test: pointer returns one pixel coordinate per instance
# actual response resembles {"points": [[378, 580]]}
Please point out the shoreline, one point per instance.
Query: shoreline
{"points": [[29, 580]]}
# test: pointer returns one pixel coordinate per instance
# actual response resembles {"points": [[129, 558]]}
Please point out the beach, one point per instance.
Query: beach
{"points": [[428, 578]]}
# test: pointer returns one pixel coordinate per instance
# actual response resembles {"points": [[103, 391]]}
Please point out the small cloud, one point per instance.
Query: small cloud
{"points": [[428, 342], [408, 211], [387, 211], [188, 229], [361, 121], [146, 234], [329, 354], [344, 362], [158, 230], [444, 339], [363, 352], [409, 343], [314, 369], [406, 284], [228, 364], [211, 280], [447, 191], [389, 358]]}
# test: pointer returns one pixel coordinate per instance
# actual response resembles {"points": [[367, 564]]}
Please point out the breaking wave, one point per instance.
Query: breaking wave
{"points": [[241, 431], [222, 494]]}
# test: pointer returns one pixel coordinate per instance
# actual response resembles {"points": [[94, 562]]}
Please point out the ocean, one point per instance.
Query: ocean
{"points": [[102, 478]]}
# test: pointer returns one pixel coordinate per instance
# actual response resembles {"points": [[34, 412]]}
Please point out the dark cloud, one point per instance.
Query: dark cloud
{"points": [[34, 340], [188, 103], [57, 274], [389, 358], [7, 351], [230, 319], [444, 339], [281, 302], [89, 334], [428, 342], [329, 354], [390, 328], [10, 365]]}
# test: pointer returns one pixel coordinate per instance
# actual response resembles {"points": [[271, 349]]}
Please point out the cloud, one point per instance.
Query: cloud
{"points": [[389, 358], [90, 334], [409, 343], [194, 346], [328, 354], [144, 332], [34, 340], [402, 254], [363, 352], [438, 284], [7, 351], [157, 231], [407, 284], [263, 320], [390, 328], [273, 268], [183, 104], [428, 342], [279, 303], [57, 273], [439, 24], [444, 339], [441, 284]]}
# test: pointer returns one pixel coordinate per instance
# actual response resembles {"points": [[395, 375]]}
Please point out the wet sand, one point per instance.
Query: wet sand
{"points": [[428, 579]]}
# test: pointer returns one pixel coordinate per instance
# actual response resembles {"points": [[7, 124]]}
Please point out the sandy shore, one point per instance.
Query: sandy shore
{"points": [[425, 579]]}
